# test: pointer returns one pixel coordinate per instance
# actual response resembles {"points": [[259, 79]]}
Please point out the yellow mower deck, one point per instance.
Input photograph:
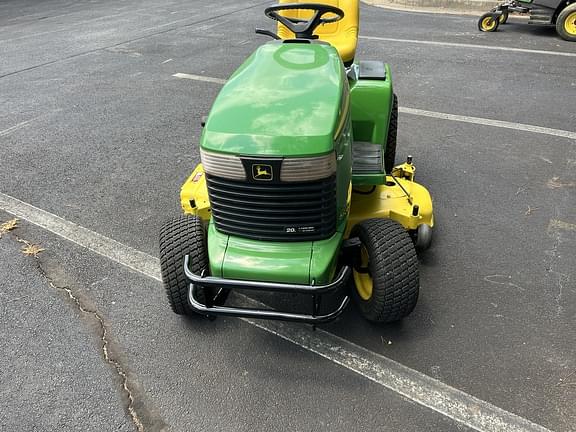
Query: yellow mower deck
{"points": [[400, 199]]}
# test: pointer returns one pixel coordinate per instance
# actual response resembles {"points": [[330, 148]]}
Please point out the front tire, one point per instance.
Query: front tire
{"points": [[180, 236], [487, 23], [566, 23], [386, 275]]}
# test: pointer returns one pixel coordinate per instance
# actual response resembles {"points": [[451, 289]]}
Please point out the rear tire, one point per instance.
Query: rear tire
{"points": [[487, 23], [393, 269], [390, 152], [566, 23], [180, 236]]}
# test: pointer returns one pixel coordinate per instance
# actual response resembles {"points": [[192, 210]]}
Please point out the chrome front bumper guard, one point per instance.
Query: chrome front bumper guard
{"points": [[315, 290]]}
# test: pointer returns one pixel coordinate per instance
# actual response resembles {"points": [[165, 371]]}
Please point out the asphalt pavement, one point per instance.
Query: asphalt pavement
{"points": [[95, 128]]}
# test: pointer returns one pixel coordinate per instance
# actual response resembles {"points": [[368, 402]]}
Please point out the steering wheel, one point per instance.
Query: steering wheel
{"points": [[302, 28]]}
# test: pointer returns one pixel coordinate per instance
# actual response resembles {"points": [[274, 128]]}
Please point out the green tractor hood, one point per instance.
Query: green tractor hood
{"points": [[285, 100]]}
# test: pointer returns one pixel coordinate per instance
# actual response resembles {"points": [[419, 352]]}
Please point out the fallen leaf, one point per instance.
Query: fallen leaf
{"points": [[554, 183], [32, 249], [8, 226]]}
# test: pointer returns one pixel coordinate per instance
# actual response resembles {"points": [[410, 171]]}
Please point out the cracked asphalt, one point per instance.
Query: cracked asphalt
{"points": [[53, 375], [94, 128]]}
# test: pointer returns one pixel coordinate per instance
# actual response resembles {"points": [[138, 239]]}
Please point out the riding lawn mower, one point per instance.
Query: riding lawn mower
{"points": [[561, 13], [297, 190]]}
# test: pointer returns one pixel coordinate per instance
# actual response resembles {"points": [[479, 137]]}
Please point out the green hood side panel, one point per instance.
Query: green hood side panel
{"points": [[217, 244], [371, 105], [289, 262], [325, 255], [283, 101]]}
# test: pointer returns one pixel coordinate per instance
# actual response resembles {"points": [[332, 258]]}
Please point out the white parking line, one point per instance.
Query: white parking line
{"points": [[489, 122], [14, 128], [413, 385], [433, 114], [200, 78], [472, 46]]}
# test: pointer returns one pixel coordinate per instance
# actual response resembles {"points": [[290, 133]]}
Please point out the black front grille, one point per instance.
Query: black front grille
{"points": [[274, 211]]}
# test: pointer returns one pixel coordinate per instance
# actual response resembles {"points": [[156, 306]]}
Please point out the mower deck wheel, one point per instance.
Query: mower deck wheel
{"points": [[566, 23], [487, 23], [423, 238], [390, 151], [180, 236], [386, 272]]}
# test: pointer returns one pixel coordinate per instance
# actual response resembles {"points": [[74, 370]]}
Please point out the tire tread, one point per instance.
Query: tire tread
{"points": [[180, 236], [394, 270]]}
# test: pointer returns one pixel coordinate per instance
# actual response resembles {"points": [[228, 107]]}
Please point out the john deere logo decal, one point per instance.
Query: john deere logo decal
{"points": [[262, 172]]}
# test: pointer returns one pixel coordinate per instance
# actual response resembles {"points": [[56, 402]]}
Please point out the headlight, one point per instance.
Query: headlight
{"points": [[221, 165], [307, 169], [292, 169]]}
